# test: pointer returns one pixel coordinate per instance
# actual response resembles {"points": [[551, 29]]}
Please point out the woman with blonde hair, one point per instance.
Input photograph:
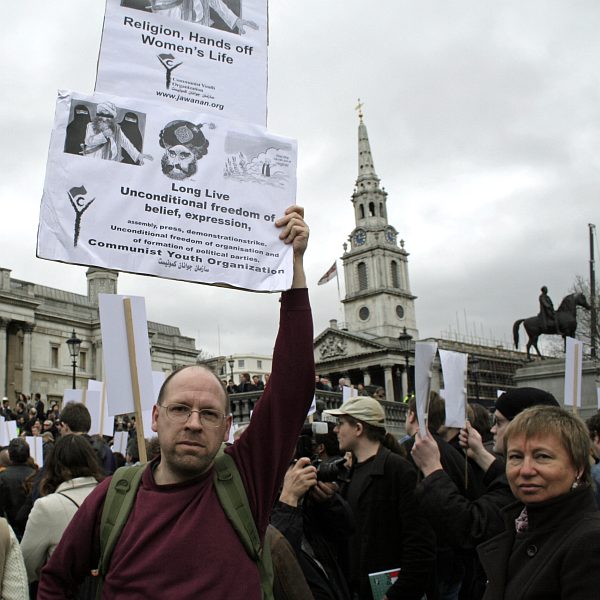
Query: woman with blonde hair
{"points": [[551, 547]]}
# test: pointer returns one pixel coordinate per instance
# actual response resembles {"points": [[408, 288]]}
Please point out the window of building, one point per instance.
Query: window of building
{"points": [[82, 360], [53, 356], [362, 211], [363, 313], [371, 209], [241, 363], [395, 274], [363, 282], [259, 364]]}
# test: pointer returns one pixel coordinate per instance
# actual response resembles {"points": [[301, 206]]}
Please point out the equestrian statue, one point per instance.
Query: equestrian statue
{"points": [[561, 322]]}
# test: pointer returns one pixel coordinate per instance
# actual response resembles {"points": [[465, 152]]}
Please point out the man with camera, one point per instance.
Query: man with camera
{"points": [[313, 516]]}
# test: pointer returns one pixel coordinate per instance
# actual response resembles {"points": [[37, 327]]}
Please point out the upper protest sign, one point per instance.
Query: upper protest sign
{"points": [[146, 188], [205, 55]]}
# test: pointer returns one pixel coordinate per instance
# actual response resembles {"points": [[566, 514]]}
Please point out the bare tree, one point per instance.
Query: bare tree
{"points": [[584, 317]]}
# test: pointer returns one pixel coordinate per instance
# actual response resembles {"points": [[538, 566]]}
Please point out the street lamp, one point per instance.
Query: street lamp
{"points": [[74, 344], [405, 340], [475, 373], [231, 363]]}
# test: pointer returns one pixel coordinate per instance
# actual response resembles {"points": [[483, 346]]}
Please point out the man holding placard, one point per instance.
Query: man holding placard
{"points": [[178, 542]]}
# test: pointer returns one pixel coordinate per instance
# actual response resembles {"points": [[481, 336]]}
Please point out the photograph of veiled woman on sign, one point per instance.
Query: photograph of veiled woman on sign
{"points": [[218, 14], [105, 131]]}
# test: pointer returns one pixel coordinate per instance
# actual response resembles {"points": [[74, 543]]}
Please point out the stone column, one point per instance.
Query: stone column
{"points": [[3, 355], [404, 383], [366, 377], [98, 361], [26, 386], [389, 384]]}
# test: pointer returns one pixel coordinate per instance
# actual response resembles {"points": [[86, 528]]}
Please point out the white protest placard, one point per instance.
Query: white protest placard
{"points": [[158, 378], [232, 430], [8, 431], [147, 424], [202, 210], [127, 362], [348, 392], [92, 399], [424, 356], [120, 440], [107, 423], [454, 370], [313, 407], [72, 395], [499, 393], [93, 402], [182, 60], [36, 449], [573, 369]]}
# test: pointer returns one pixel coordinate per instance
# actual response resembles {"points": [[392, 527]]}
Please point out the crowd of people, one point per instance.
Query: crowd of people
{"points": [[330, 510]]}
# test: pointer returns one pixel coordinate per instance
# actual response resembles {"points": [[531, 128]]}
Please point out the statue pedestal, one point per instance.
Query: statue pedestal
{"points": [[549, 375]]}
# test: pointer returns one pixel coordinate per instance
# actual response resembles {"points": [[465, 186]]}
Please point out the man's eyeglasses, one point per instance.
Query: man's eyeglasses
{"points": [[180, 413]]}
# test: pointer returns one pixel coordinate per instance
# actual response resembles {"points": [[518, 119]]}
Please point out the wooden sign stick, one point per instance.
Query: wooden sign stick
{"points": [[135, 383]]}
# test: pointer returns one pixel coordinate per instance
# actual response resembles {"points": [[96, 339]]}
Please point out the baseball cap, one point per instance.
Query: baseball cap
{"points": [[362, 408]]}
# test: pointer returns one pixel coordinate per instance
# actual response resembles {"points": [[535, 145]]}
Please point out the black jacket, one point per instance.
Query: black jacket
{"points": [[557, 558], [12, 494], [466, 522], [392, 530], [318, 533]]}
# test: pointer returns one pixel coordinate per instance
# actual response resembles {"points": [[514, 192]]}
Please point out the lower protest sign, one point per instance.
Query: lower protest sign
{"points": [[148, 189]]}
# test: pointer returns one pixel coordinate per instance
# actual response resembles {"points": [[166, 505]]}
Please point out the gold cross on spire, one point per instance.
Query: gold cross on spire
{"points": [[359, 109]]}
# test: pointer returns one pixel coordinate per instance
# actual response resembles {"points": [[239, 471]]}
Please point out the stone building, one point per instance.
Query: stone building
{"points": [[232, 366], [36, 321]]}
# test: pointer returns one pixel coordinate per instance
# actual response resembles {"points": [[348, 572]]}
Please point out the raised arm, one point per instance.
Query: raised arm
{"points": [[295, 231]]}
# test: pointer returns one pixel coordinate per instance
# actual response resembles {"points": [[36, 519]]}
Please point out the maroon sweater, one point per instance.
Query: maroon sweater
{"points": [[178, 542]]}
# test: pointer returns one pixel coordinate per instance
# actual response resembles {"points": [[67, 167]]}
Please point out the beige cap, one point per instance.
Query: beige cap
{"points": [[362, 408]]}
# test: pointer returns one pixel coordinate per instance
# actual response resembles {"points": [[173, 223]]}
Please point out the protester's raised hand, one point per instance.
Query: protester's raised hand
{"points": [[426, 454], [295, 230], [470, 439]]}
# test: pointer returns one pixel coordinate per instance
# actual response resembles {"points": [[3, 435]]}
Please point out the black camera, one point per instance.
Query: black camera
{"points": [[329, 470]]}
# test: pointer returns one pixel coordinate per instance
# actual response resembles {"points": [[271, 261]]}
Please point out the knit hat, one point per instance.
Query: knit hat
{"points": [[511, 403], [365, 409]]}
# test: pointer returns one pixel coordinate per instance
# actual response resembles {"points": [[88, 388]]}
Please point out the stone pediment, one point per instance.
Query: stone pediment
{"points": [[333, 343]]}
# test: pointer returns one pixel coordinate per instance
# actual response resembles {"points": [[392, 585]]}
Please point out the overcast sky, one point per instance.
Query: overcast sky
{"points": [[484, 122]]}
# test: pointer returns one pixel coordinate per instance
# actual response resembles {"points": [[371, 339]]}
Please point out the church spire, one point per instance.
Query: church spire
{"points": [[366, 170]]}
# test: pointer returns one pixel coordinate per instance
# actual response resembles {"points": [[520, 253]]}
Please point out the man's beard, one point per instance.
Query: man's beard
{"points": [[96, 125], [177, 171]]}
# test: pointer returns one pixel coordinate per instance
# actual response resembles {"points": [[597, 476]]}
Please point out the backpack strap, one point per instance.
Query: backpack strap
{"points": [[4, 546], [234, 500], [118, 503], [68, 498]]}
